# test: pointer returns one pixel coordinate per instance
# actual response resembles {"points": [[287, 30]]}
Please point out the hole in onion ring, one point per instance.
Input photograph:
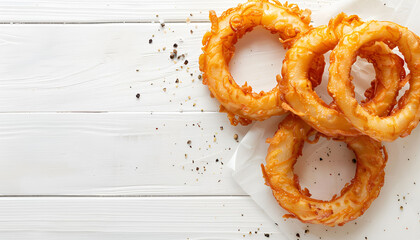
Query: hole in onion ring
{"points": [[325, 168], [258, 49], [406, 85], [363, 73], [321, 89]]}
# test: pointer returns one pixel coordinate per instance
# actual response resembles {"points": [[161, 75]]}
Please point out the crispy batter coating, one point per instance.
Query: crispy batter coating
{"points": [[407, 114], [360, 126], [242, 105], [356, 197], [299, 97]]}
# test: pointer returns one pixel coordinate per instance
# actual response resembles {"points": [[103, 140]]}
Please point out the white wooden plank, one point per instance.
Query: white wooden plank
{"points": [[117, 154], [171, 218], [126, 218], [120, 11], [102, 67], [35, 235], [138, 154], [98, 68]]}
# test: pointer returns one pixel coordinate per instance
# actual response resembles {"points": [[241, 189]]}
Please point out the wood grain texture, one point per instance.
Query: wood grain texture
{"points": [[99, 68], [144, 218], [143, 154], [117, 154], [71, 125], [183, 218], [103, 67], [120, 11]]}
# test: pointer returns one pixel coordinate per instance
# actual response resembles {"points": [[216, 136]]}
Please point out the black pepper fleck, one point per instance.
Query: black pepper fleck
{"points": [[267, 235], [175, 45], [354, 160], [138, 95], [298, 235], [150, 41], [320, 159]]}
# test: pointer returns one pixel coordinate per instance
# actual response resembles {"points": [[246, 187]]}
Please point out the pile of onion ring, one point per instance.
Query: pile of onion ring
{"points": [[362, 126]]}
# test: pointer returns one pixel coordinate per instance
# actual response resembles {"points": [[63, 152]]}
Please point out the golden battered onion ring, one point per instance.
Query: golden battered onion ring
{"points": [[356, 197], [300, 98], [282, 19], [406, 117]]}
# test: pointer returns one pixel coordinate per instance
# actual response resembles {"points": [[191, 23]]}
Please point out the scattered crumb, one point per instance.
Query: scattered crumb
{"points": [[235, 137]]}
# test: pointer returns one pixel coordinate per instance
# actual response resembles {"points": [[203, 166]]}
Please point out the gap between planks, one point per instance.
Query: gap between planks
{"points": [[102, 22], [51, 11], [123, 196]]}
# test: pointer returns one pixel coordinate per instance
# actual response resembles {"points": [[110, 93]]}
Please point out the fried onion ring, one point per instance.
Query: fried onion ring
{"points": [[356, 197], [300, 98], [243, 105], [407, 115]]}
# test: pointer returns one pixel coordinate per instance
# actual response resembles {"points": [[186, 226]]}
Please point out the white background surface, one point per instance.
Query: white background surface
{"points": [[82, 158]]}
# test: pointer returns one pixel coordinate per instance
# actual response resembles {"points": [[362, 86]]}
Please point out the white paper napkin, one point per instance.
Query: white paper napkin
{"points": [[325, 167]]}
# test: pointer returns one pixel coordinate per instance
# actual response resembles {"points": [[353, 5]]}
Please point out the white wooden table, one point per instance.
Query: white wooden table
{"points": [[81, 157]]}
